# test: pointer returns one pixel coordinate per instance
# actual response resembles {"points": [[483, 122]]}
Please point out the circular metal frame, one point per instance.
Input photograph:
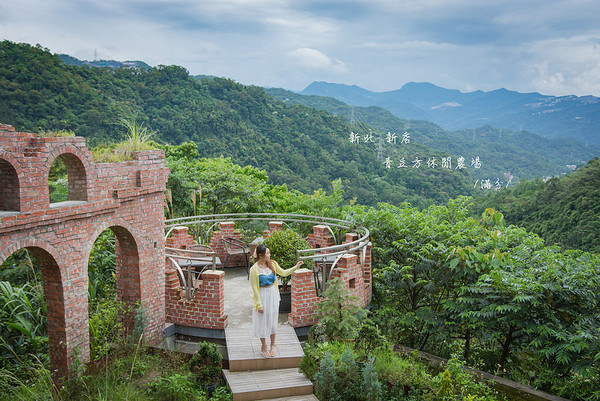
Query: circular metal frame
{"points": [[319, 255]]}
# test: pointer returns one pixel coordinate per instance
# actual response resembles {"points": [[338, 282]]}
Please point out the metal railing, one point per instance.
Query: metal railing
{"points": [[325, 259], [205, 257]]}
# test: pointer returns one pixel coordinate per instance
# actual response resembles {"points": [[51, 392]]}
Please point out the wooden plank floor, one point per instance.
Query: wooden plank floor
{"points": [[244, 350], [251, 376], [265, 384]]}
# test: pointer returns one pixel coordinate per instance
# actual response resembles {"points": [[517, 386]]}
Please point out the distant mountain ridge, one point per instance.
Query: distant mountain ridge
{"points": [[572, 117], [521, 154]]}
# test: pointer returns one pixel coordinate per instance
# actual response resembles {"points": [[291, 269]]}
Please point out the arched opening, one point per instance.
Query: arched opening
{"points": [[9, 188], [67, 180], [114, 290], [33, 315]]}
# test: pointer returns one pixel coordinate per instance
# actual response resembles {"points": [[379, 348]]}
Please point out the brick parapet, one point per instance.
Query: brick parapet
{"points": [[273, 226], [226, 229], [180, 238], [207, 307], [304, 295]]}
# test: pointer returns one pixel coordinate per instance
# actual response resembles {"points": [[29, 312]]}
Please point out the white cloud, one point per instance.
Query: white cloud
{"points": [[315, 60], [548, 46], [565, 66]]}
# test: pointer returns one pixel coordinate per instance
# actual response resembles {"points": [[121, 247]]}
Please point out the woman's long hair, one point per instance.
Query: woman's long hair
{"points": [[261, 250]]}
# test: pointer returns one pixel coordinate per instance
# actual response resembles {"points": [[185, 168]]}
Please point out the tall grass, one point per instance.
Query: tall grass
{"points": [[137, 139]]}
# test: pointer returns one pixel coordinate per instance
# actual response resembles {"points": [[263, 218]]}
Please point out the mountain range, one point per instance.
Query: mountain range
{"points": [[504, 153], [299, 140], [572, 117]]}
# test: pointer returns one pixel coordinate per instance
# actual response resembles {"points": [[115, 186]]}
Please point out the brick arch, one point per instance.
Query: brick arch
{"points": [[10, 183], [78, 169], [127, 261], [128, 197], [47, 256]]}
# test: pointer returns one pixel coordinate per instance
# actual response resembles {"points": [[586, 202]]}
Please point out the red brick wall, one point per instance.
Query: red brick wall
{"points": [[304, 299], [179, 239], [206, 309], [127, 197], [273, 226]]}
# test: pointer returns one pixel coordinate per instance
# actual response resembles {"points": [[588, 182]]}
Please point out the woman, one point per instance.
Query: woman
{"points": [[265, 297]]}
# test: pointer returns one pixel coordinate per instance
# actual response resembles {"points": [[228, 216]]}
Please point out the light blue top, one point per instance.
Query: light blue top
{"points": [[265, 280]]}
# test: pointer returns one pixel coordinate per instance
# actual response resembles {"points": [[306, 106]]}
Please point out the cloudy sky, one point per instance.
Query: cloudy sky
{"points": [[547, 46]]}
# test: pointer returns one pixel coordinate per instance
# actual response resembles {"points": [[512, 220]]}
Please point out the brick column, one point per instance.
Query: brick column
{"points": [[217, 244], [320, 237], [349, 270], [304, 299], [179, 238], [368, 275], [273, 226]]}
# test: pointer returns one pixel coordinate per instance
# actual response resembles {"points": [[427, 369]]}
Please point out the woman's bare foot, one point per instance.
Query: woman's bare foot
{"points": [[265, 352], [273, 350]]}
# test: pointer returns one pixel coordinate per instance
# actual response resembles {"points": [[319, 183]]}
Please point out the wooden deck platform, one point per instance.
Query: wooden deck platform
{"points": [[251, 376]]}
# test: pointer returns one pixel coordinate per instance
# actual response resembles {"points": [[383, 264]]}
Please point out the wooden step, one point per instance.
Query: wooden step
{"points": [[268, 384], [244, 350], [309, 397]]}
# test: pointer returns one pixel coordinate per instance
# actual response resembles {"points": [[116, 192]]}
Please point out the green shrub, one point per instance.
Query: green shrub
{"points": [[175, 387], [105, 328], [205, 364], [283, 245], [326, 379]]}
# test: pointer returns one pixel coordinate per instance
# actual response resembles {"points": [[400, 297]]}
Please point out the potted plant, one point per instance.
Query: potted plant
{"points": [[205, 364], [283, 245]]}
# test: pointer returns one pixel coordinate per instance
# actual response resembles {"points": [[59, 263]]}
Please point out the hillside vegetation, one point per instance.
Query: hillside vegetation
{"points": [[297, 145], [521, 154], [563, 211]]}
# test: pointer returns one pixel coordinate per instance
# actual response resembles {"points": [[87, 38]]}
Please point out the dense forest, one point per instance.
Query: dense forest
{"points": [[297, 145], [565, 211]]}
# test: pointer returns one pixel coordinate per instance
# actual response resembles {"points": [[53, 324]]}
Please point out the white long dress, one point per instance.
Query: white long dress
{"points": [[264, 324]]}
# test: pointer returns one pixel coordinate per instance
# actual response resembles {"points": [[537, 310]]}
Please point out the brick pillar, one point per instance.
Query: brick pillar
{"points": [[368, 275], [212, 292], [320, 237], [304, 299], [179, 238], [349, 237], [216, 243], [9, 182], [349, 270], [273, 226]]}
